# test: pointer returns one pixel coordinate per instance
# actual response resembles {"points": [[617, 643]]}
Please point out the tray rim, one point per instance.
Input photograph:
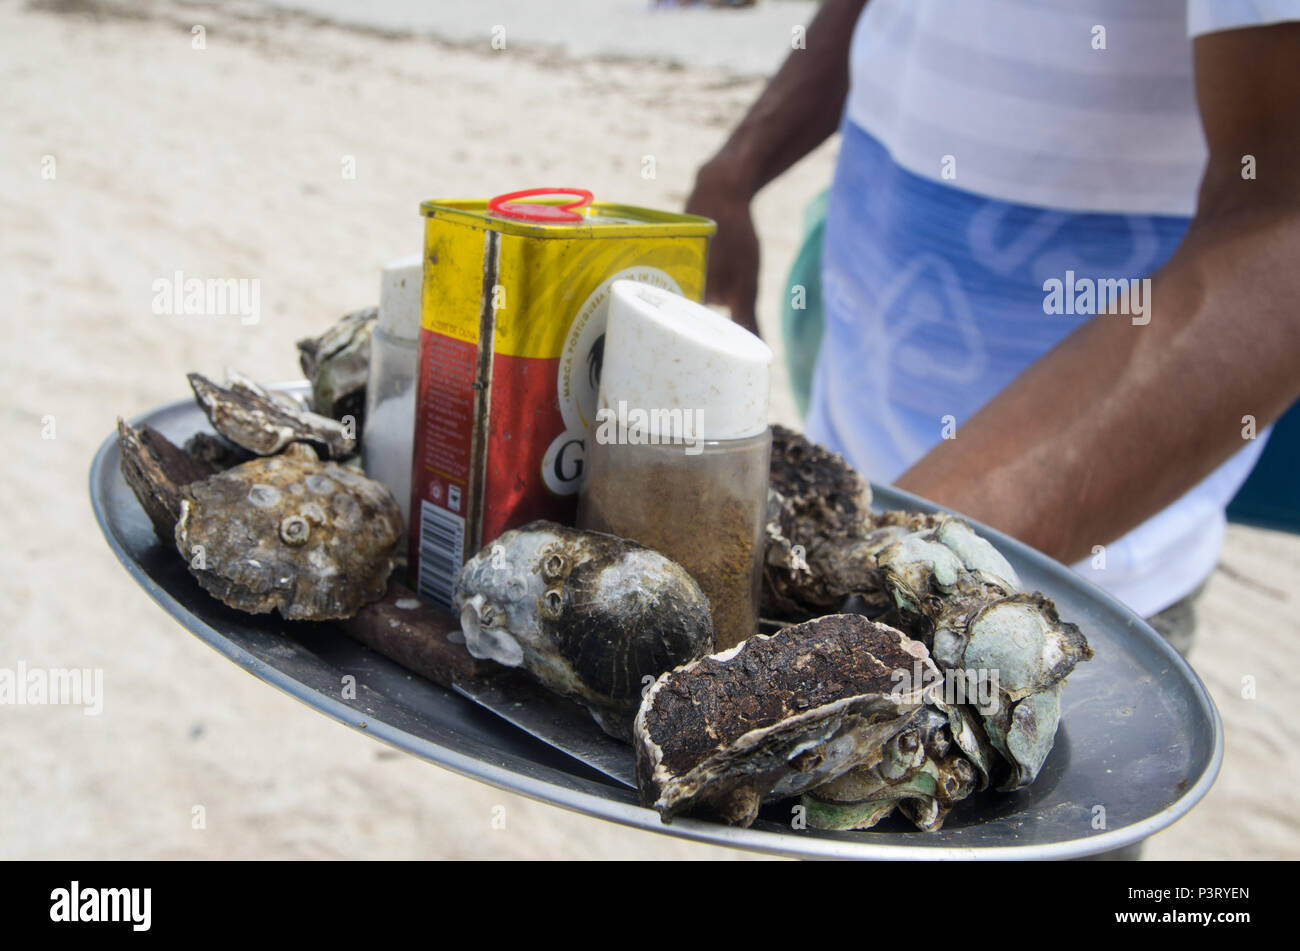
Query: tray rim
{"points": [[645, 819]]}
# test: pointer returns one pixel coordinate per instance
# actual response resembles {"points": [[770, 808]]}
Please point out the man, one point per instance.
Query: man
{"points": [[1006, 169]]}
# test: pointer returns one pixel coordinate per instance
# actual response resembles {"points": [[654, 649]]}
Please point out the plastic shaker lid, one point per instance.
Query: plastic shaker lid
{"points": [[399, 297], [511, 205], [664, 352]]}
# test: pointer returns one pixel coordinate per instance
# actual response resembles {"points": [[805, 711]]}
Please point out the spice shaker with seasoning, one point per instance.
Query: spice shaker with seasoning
{"points": [[678, 454], [386, 441]]}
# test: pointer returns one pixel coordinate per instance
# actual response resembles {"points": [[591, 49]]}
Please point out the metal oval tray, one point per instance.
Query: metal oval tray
{"points": [[1139, 737]]}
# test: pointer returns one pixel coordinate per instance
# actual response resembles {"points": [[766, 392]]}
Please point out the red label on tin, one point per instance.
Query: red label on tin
{"points": [[447, 394], [440, 483], [523, 392]]}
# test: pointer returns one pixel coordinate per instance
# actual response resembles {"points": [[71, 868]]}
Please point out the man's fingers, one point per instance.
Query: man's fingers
{"points": [[750, 323], [744, 304], [742, 312], [738, 303]]}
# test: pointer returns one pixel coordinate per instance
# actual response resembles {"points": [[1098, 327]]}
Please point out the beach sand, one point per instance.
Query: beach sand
{"points": [[230, 161]]}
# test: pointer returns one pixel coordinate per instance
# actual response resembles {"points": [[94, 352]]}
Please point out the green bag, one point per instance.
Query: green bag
{"points": [[801, 326]]}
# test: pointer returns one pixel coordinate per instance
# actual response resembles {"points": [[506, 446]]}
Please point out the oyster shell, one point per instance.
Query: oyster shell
{"points": [[954, 591], [822, 537], [940, 758], [265, 423], [156, 469], [939, 576], [1033, 650], [338, 365], [591, 616], [776, 715], [215, 452], [310, 539]]}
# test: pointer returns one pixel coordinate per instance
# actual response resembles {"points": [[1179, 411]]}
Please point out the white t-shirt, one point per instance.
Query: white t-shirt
{"points": [[1082, 105], [1071, 105]]}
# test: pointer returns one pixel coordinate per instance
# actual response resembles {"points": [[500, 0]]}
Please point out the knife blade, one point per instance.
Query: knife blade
{"points": [[415, 635]]}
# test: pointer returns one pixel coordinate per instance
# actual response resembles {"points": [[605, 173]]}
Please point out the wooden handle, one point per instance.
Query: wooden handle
{"points": [[415, 636]]}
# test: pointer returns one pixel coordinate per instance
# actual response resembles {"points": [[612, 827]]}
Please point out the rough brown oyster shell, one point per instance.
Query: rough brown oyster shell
{"points": [[776, 715], [338, 365], [155, 469], [215, 452], [310, 539], [822, 537], [263, 422]]}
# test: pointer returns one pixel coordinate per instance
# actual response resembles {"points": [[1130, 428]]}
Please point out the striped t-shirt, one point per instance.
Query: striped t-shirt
{"points": [[1079, 105], [989, 147]]}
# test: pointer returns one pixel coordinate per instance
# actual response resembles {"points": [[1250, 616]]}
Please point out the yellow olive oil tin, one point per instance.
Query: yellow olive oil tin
{"points": [[513, 309]]}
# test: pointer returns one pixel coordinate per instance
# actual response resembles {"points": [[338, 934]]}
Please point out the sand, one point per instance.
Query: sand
{"points": [[229, 162]]}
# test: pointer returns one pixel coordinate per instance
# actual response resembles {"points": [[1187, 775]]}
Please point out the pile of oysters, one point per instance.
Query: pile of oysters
{"points": [[274, 514], [952, 685], [943, 680]]}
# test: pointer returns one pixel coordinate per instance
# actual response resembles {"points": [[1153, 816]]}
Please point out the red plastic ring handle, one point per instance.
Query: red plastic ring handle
{"points": [[509, 206]]}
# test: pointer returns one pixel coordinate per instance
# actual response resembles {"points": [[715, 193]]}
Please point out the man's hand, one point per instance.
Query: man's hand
{"points": [[733, 256], [1117, 421], [798, 111]]}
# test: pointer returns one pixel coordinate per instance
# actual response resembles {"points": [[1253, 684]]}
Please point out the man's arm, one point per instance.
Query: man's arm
{"points": [[798, 110], [1119, 420]]}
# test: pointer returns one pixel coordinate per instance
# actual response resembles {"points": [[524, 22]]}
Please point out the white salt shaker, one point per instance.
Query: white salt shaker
{"points": [[679, 454], [388, 437]]}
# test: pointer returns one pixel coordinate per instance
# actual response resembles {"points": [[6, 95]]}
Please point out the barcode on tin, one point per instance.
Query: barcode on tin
{"points": [[442, 546]]}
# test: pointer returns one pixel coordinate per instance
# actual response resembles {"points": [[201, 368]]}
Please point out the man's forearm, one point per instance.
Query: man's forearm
{"points": [[1119, 420], [799, 109]]}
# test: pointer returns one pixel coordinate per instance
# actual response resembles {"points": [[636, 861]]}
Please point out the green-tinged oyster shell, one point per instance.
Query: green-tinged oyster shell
{"points": [[921, 769], [956, 592], [846, 815], [942, 584]]}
